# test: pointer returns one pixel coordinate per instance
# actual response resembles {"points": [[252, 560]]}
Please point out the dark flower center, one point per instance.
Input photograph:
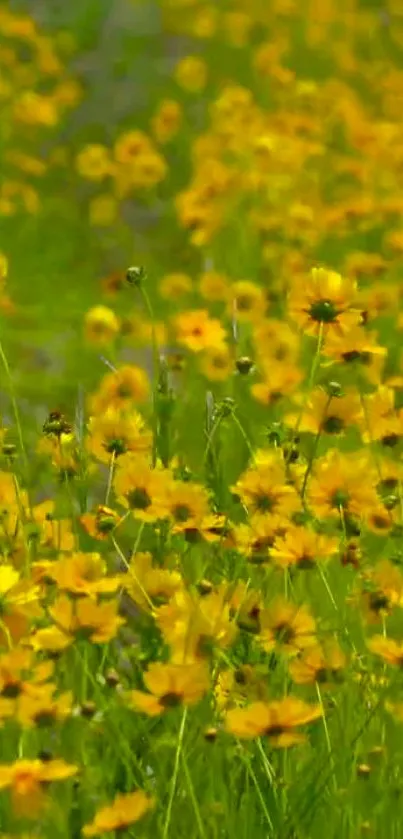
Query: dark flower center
{"points": [[323, 311], [265, 503], [333, 425], [340, 499], [390, 440], [274, 730], [138, 499], [116, 446], [181, 512], [284, 633], [170, 700]]}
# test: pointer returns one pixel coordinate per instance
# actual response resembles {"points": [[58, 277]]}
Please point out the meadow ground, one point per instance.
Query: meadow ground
{"points": [[201, 436]]}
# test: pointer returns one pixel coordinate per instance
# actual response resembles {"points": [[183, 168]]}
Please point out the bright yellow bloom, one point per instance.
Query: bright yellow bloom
{"points": [[275, 720], [197, 331], [170, 685], [26, 779], [101, 325], [326, 300], [124, 811]]}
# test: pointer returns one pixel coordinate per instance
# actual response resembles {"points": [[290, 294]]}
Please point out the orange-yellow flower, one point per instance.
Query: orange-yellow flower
{"points": [[170, 685], [26, 778], [197, 331], [275, 720], [124, 811], [325, 301]]}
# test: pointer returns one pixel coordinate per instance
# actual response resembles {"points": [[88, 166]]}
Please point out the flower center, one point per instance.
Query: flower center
{"points": [[333, 425], [264, 503], [170, 700], [116, 446], [284, 633], [323, 311], [181, 512], [138, 499], [340, 499]]}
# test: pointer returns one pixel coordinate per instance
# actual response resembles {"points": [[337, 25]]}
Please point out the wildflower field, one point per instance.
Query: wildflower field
{"points": [[201, 433]]}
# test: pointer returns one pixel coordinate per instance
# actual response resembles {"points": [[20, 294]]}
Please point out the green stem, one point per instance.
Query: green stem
{"points": [[175, 775]]}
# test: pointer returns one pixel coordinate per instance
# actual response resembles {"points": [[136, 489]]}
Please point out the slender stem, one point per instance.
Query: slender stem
{"points": [[175, 775], [13, 400]]}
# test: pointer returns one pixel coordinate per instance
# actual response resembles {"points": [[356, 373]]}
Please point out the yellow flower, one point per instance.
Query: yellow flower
{"points": [[322, 664], [147, 584], [275, 720], [214, 286], [264, 488], [101, 325], [141, 488], [120, 388], [124, 811], [43, 707], [342, 484], [247, 301], [116, 433], [186, 504], [19, 604], [85, 617], [191, 73], [83, 574], [197, 331], [287, 627], [326, 301], [326, 414], [387, 648], [302, 548], [166, 121], [173, 286], [217, 364], [26, 778], [94, 163], [170, 685], [130, 146]]}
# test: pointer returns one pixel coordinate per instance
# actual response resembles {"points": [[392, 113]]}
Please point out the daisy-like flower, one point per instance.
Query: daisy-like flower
{"points": [[358, 350], [116, 433], [197, 331], [140, 488], [381, 421], [81, 618], [186, 505], [124, 811], [280, 379], [326, 301], [83, 574], [101, 523], [26, 779], [326, 414], [323, 664], [101, 325], [170, 685], [276, 720], [147, 584], [342, 483], [192, 626], [44, 707], [19, 604], [301, 547], [286, 627], [263, 488], [387, 648], [217, 364], [119, 389], [247, 302]]}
